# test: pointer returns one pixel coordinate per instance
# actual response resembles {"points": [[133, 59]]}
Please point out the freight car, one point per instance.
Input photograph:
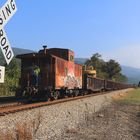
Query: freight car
{"points": [[97, 84], [58, 76]]}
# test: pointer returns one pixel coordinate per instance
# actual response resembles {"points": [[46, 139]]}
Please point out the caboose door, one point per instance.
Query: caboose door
{"points": [[47, 72]]}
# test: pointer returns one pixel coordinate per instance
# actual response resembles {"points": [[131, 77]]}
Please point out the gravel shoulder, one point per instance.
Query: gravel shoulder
{"points": [[117, 121], [91, 118]]}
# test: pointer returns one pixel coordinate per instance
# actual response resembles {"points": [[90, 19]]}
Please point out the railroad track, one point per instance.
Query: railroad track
{"points": [[9, 105], [13, 108]]}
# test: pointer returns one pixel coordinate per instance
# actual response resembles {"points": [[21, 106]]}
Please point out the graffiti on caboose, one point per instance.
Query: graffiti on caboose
{"points": [[71, 81]]}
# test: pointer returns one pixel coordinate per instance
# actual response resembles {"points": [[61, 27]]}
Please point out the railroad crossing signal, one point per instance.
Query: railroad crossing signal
{"points": [[6, 13], [2, 74]]}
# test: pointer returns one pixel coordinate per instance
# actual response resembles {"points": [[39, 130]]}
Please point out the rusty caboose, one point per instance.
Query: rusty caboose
{"points": [[59, 75]]}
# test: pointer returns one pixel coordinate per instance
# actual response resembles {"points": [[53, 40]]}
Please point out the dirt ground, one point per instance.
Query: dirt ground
{"points": [[118, 121]]}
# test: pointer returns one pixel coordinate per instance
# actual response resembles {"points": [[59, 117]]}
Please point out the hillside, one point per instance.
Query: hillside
{"points": [[80, 60], [16, 52], [133, 74], [21, 51]]}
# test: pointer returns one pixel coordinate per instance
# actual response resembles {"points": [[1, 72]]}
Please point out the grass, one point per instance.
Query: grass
{"points": [[132, 97]]}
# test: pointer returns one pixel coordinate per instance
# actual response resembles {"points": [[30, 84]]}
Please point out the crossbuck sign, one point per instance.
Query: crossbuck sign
{"points": [[2, 74], [6, 12]]}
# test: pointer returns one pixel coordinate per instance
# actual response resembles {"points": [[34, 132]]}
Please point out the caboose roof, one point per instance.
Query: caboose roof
{"points": [[31, 55], [60, 49], [44, 53]]}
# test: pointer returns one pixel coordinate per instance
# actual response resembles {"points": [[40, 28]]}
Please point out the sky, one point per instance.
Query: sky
{"points": [[109, 27]]}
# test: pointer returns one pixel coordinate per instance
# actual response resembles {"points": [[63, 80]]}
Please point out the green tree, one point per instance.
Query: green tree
{"points": [[94, 61], [120, 78], [108, 70], [112, 68], [97, 63], [12, 74]]}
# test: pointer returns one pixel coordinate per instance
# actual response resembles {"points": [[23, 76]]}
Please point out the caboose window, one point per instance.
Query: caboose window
{"points": [[71, 58]]}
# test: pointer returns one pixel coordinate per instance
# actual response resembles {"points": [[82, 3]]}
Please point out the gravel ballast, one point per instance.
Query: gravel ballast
{"points": [[51, 122]]}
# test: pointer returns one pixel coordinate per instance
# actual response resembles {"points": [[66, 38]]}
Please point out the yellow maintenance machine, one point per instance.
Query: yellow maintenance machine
{"points": [[89, 70]]}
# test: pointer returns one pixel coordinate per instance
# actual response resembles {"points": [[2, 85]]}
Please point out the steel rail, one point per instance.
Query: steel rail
{"points": [[13, 109]]}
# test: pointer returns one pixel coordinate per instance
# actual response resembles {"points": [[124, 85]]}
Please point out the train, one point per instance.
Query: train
{"points": [[58, 76]]}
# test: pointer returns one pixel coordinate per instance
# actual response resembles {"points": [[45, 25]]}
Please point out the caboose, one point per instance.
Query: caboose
{"points": [[59, 76]]}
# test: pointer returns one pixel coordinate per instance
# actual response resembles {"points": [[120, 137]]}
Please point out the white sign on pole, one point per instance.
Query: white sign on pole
{"points": [[2, 74], [6, 12], [5, 47]]}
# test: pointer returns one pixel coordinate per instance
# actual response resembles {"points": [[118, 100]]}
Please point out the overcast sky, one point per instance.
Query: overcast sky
{"points": [[109, 27]]}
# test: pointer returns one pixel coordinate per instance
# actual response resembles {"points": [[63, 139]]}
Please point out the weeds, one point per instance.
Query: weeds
{"points": [[24, 131]]}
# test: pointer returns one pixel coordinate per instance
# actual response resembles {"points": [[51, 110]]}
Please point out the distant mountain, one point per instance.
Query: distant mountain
{"points": [[80, 60], [16, 51], [133, 74]]}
